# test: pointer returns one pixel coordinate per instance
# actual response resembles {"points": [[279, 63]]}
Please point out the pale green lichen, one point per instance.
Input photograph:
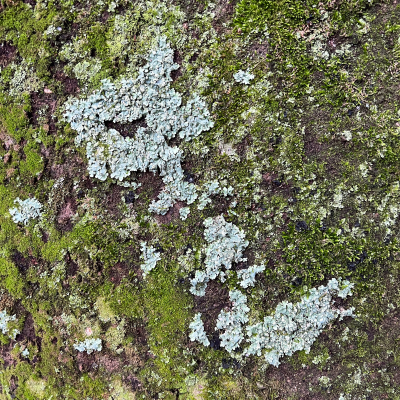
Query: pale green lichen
{"points": [[148, 95], [28, 209], [5, 320], [24, 79], [295, 327], [150, 257], [88, 345], [197, 331], [226, 243]]}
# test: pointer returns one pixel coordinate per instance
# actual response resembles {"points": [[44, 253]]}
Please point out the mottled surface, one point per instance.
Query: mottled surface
{"points": [[310, 147]]}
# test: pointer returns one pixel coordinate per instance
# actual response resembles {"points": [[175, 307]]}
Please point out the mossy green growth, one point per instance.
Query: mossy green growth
{"points": [[14, 120], [18, 26], [126, 301], [97, 240], [168, 312], [11, 278], [32, 166], [35, 388]]}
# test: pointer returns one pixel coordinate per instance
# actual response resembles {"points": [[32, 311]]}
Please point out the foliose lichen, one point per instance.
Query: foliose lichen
{"points": [[197, 331], [150, 257], [248, 275], [243, 77], [184, 212], [88, 345], [4, 324], [231, 322], [28, 209], [226, 245], [295, 327], [150, 96]]}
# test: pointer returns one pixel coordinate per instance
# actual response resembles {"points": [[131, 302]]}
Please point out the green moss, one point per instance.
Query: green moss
{"points": [[34, 388], [97, 241], [18, 26], [32, 166], [14, 121], [126, 300], [167, 309], [11, 278]]}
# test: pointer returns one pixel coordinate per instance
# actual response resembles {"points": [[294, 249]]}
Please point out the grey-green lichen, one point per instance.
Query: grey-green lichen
{"points": [[149, 96]]}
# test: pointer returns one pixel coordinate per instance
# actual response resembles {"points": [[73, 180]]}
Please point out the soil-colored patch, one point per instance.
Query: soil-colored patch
{"points": [[314, 149], [8, 141], [290, 382], [28, 332], [68, 209], [13, 385], [241, 148], [110, 362], [335, 41], [7, 54], [175, 74], [6, 301], [151, 184], [86, 362], [128, 129], [190, 7], [188, 166], [72, 266], [112, 199], [31, 2], [133, 382], [249, 255], [72, 167], [118, 272], [277, 185], [220, 204], [137, 330], [259, 49], [5, 354], [210, 305], [71, 85], [23, 263], [43, 106], [223, 11]]}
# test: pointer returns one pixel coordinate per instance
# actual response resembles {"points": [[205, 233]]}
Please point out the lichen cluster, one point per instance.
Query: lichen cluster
{"points": [[150, 257], [89, 345], [225, 245], [149, 96], [5, 322], [295, 327], [28, 209]]}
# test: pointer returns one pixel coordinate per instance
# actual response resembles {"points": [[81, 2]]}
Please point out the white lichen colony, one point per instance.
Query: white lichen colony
{"points": [[28, 209], [4, 325], [231, 322], [226, 243], [291, 328], [89, 345], [197, 331], [150, 257], [149, 96], [243, 77], [184, 212], [295, 327], [248, 276]]}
